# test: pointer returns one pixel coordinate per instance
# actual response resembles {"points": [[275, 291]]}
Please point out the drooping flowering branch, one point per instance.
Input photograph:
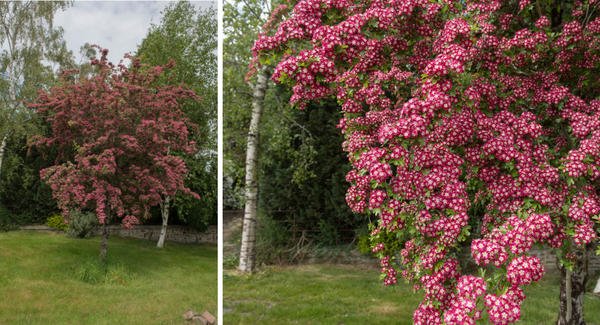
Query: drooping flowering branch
{"points": [[449, 106]]}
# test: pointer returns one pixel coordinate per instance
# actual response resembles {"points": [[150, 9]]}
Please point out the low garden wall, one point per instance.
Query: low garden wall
{"points": [[548, 257], [178, 234]]}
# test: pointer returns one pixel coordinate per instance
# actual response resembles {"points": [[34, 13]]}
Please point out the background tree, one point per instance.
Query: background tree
{"points": [[300, 185], [453, 106], [116, 133], [241, 21], [188, 36], [31, 51], [248, 247], [302, 176]]}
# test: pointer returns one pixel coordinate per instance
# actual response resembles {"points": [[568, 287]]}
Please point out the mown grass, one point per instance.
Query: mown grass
{"points": [[338, 294], [48, 278]]}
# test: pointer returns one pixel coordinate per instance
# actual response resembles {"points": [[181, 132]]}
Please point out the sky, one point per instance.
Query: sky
{"points": [[118, 26]]}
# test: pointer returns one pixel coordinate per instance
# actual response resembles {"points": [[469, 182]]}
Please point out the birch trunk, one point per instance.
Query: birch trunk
{"points": [[597, 288], [164, 210], [248, 249], [2, 148], [572, 291]]}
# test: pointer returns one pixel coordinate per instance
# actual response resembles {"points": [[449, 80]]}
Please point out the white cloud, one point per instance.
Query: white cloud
{"points": [[118, 26]]}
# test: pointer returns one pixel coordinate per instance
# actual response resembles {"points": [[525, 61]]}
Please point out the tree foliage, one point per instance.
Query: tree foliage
{"points": [[21, 190], [450, 106], [241, 22], [302, 184], [301, 165], [188, 36], [116, 133], [31, 51]]}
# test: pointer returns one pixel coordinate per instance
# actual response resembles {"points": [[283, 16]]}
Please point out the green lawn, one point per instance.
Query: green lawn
{"points": [[337, 294], [48, 278]]}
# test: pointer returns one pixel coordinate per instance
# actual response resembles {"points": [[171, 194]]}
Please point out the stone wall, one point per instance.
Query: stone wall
{"points": [[178, 234], [232, 215], [548, 257]]}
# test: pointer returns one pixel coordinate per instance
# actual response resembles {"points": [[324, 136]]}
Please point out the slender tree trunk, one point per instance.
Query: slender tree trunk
{"points": [[164, 209], [248, 251], [597, 287], [572, 291], [2, 148], [104, 243]]}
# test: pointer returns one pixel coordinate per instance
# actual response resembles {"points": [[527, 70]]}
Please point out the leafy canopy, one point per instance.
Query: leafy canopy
{"points": [[117, 133], [188, 36]]}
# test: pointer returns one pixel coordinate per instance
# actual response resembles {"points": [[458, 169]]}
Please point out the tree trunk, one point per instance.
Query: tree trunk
{"points": [[2, 148], [572, 290], [597, 287], [164, 209], [248, 251], [104, 243]]}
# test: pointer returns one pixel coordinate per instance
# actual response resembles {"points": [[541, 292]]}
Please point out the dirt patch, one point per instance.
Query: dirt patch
{"points": [[385, 308]]}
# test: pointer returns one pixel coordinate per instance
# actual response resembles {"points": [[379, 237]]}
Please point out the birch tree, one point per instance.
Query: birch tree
{"points": [[31, 50], [245, 104], [248, 247], [188, 36]]}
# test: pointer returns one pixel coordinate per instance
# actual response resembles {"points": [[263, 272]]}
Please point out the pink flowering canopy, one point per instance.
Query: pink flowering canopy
{"points": [[466, 122], [116, 133]]}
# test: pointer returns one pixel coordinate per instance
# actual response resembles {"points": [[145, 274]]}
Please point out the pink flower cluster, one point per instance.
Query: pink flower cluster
{"points": [[463, 308], [524, 270], [581, 212], [488, 252], [506, 308]]}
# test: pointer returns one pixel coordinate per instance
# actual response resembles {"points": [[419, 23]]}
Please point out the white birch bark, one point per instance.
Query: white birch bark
{"points": [[2, 148], [248, 249], [164, 209]]}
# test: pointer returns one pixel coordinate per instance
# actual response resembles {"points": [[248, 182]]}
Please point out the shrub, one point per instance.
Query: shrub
{"points": [[57, 221], [364, 244], [273, 241], [6, 221], [82, 224]]}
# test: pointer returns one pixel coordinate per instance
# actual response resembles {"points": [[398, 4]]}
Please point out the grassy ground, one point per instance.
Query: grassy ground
{"points": [[48, 278], [336, 294]]}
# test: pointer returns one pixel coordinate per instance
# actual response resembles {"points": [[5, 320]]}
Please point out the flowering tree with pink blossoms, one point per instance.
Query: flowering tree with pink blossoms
{"points": [[467, 123], [116, 133]]}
